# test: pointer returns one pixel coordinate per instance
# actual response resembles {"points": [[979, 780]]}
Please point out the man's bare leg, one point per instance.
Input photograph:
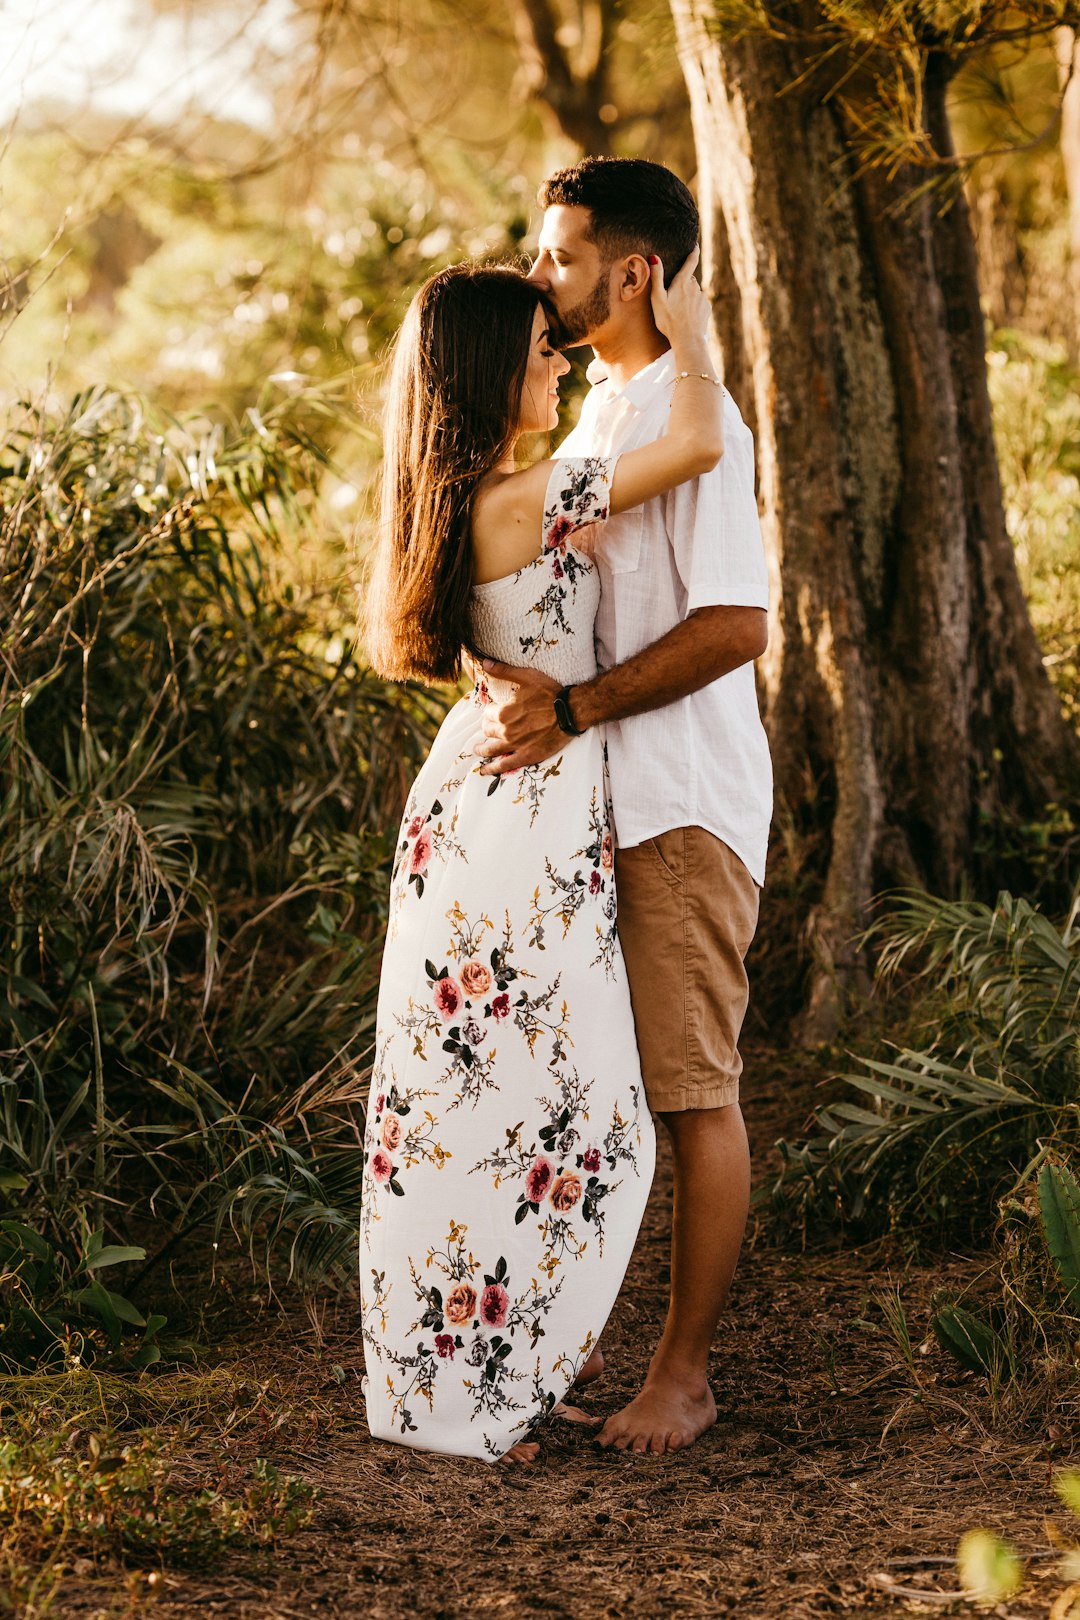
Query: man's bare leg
{"points": [[712, 1195]]}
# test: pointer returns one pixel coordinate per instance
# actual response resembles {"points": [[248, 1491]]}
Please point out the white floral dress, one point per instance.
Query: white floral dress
{"points": [[509, 1146]]}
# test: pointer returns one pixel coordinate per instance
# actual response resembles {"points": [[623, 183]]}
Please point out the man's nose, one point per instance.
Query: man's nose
{"points": [[537, 275]]}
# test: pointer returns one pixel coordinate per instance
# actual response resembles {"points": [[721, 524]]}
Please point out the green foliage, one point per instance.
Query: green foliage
{"points": [[132, 1501], [197, 287], [1059, 1209], [945, 1127], [1022, 1338], [199, 778], [58, 1309], [876, 62], [1036, 399], [138, 1472], [990, 1569], [971, 1341]]}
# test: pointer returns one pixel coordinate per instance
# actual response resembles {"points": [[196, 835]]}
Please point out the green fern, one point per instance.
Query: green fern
{"points": [[932, 1134]]}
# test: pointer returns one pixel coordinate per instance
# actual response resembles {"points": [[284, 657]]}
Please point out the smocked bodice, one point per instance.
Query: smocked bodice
{"points": [[542, 616]]}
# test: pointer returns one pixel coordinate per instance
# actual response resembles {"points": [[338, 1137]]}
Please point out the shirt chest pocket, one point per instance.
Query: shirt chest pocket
{"points": [[619, 543]]}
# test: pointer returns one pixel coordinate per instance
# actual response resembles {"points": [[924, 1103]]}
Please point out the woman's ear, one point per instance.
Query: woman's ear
{"points": [[635, 279]]}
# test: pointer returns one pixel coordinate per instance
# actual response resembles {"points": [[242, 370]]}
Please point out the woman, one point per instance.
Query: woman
{"points": [[509, 1146]]}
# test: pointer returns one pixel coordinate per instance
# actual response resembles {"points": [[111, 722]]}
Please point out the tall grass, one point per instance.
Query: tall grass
{"points": [[199, 794]]}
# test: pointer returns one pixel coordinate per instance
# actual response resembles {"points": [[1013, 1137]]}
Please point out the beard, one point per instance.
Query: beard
{"points": [[592, 311]]}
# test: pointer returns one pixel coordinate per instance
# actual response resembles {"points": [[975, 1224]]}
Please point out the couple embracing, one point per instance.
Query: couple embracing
{"points": [[577, 876]]}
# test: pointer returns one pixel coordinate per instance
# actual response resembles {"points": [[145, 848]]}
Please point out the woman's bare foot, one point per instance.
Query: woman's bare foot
{"points": [[668, 1415], [574, 1414], [591, 1371], [526, 1451]]}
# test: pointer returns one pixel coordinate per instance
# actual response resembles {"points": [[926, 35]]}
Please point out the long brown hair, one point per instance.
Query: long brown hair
{"points": [[451, 416]]}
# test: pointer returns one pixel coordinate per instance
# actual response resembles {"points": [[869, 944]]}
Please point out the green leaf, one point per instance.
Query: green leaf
{"points": [[1059, 1209], [1067, 1486], [113, 1254], [989, 1568], [970, 1340], [30, 1240], [112, 1309]]}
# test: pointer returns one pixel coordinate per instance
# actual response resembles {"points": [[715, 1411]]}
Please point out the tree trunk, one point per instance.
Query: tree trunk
{"points": [[905, 696], [573, 90]]}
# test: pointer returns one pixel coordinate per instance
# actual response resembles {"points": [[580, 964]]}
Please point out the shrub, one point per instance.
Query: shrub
{"points": [[201, 785], [946, 1125]]}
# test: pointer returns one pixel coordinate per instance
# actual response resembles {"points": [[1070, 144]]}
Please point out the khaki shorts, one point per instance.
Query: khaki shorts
{"points": [[688, 909]]}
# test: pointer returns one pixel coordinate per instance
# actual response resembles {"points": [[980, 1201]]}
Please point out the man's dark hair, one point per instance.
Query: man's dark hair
{"points": [[636, 207]]}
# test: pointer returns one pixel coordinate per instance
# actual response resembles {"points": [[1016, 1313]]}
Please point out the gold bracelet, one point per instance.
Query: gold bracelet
{"points": [[704, 375]]}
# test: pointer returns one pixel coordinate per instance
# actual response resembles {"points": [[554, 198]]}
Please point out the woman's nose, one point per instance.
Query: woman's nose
{"points": [[562, 365]]}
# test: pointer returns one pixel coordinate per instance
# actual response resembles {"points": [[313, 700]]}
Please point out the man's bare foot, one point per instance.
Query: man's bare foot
{"points": [[526, 1451], [668, 1415], [591, 1371], [574, 1414]]}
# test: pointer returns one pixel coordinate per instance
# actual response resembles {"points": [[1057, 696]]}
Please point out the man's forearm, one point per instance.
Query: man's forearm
{"points": [[708, 644]]}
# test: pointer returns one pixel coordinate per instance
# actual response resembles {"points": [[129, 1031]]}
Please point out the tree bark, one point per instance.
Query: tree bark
{"points": [[904, 690]]}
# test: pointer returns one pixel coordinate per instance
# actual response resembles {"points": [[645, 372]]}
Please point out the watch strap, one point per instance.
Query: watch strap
{"points": [[564, 715]]}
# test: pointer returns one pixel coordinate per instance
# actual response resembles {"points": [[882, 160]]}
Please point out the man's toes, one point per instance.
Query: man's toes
{"points": [[658, 1445]]}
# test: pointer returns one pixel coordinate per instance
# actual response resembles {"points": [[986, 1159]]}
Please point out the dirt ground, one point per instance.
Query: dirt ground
{"points": [[830, 1486]]}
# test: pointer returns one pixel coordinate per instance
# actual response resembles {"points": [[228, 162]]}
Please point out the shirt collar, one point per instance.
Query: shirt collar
{"points": [[643, 385]]}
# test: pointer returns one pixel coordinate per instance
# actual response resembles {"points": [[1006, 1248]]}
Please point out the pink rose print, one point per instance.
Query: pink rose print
{"points": [[416, 826], [421, 854], [594, 883], [381, 1167], [566, 1191], [538, 1180], [591, 1160], [483, 692], [500, 1007], [444, 1346], [494, 1305], [460, 1303], [557, 569], [475, 979], [380, 1102], [448, 997], [607, 852], [391, 1132], [559, 532]]}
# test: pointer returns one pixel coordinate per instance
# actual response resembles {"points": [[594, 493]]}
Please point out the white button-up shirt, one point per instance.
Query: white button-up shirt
{"points": [[703, 760]]}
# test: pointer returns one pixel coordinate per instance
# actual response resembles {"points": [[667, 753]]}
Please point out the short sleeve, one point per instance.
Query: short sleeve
{"points": [[578, 495], [715, 529]]}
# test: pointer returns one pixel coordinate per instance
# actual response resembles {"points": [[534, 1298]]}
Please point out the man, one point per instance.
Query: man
{"points": [[682, 617]]}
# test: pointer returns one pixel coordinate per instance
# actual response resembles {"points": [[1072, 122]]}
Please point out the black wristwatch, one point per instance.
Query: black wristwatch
{"points": [[563, 716]]}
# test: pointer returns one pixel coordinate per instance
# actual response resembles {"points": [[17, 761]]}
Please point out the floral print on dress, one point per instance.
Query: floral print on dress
{"points": [[508, 1147]]}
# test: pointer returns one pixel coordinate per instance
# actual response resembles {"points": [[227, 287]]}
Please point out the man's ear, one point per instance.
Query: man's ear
{"points": [[635, 278]]}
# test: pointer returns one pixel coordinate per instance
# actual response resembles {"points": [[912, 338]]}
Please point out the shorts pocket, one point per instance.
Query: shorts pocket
{"points": [[668, 853]]}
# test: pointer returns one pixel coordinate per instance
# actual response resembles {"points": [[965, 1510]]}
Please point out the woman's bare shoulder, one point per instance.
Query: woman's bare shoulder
{"points": [[507, 521]]}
